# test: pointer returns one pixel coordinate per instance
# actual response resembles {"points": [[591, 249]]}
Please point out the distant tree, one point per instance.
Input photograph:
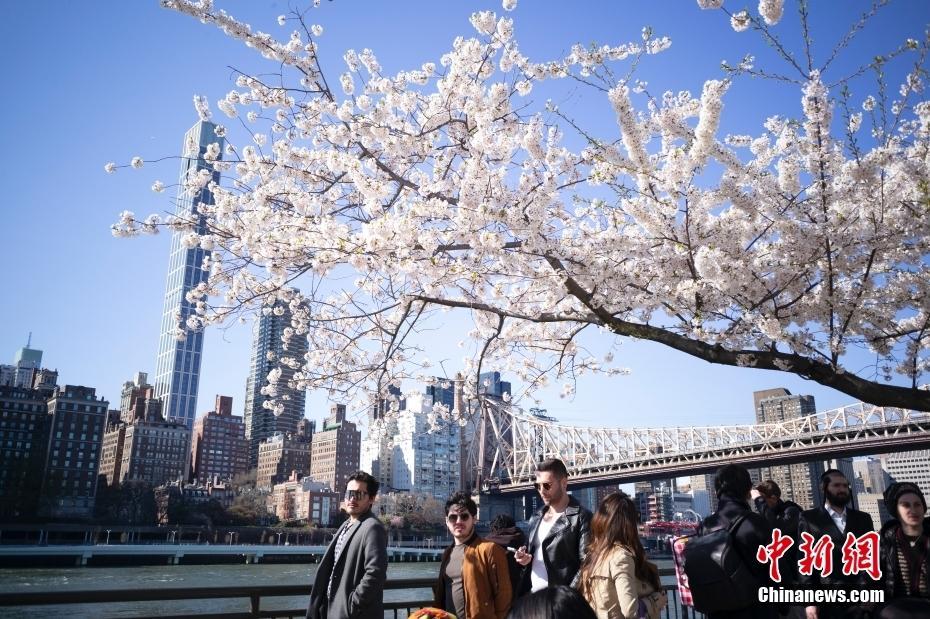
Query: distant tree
{"points": [[250, 508], [106, 503], [208, 514], [418, 512], [244, 480], [137, 502], [387, 198]]}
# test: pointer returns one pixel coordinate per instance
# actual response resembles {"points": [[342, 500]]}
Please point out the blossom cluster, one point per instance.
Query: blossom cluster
{"points": [[395, 196]]}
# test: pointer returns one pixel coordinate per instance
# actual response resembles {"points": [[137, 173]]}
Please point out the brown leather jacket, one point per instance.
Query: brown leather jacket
{"points": [[485, 577]]}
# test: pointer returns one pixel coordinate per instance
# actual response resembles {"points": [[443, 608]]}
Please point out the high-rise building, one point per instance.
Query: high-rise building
{"points": [[394, 401], [490, 384], [336, 450], [138, 400], [137, 403], [111, 453], [798, 482], [177, 372], [704, 497], [419, 460], [871, 475], [912, 466], [656, 500], [268, 348], [142, 445], [219, 449], [376, 451], [76, 418], [441, 391], [405, 456], [306, 427], [23, 440], [591, 497], [26, 363], [155, 451], [281, 456], [874, 505]]}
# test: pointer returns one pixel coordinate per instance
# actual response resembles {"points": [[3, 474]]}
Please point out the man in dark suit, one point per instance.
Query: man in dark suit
{"points": [[351, 577], [559, 532], [836, 519]]}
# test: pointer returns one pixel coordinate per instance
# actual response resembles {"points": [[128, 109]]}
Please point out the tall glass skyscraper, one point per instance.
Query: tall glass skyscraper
{"points": [[267, 348], [177, 368]]}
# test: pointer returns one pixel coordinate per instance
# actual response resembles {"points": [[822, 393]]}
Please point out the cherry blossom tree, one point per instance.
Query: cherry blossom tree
{"points": [[388, 198]]}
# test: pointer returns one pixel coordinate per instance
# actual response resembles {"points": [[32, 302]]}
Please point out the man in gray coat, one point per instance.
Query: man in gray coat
{"points": [[350, 581]]}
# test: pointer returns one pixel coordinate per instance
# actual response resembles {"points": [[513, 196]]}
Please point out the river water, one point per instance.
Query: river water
{"points": [[154, 576]]}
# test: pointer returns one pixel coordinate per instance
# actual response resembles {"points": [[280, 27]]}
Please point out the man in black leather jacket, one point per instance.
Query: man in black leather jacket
{"points": [[558, 533]]}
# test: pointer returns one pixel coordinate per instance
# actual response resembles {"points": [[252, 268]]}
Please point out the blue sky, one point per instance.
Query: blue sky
{"points": [[101, 81]]}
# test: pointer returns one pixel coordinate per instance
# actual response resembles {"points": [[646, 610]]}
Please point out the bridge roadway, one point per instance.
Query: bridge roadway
{"points": [[174, 553], [599, 456]]}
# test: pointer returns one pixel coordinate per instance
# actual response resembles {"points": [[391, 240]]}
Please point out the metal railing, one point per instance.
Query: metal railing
{"points": [[254, 595]]}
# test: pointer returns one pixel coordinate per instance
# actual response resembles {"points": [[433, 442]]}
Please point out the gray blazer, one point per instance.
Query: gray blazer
{"points": [[360, 573]]}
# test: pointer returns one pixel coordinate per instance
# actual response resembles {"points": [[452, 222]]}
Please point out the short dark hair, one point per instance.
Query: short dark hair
{"points": [[769, 488], [732, 480], [501, 522], [462, 499], [371, 484], [552, 603], [553, 465]]}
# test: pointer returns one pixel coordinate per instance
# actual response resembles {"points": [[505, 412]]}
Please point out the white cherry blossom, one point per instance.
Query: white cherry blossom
{"points": [[388, 199]]}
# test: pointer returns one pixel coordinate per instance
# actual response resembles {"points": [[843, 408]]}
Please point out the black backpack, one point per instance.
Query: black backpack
{"points": [[718, 576]]}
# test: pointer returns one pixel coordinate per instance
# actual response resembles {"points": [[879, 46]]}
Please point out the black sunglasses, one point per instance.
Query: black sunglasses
{"points": [[463, 517], [547, 485]]}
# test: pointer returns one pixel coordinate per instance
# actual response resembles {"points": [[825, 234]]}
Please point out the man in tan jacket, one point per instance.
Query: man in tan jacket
{"points": [[474, 580]]}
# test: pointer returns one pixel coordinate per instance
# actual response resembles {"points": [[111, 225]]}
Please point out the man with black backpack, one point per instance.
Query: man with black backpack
{"points": [[723, 572]]}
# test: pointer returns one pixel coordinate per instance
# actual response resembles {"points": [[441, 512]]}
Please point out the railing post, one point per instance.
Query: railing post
{"points": [[255, 601]]}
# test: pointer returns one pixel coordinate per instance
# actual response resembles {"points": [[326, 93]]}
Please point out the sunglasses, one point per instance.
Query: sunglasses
{"points": [[463, 517], [546, 485], [355, 494]]}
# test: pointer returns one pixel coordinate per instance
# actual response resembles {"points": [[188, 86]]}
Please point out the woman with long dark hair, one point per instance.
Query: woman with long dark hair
{"points": [[616, 578]]}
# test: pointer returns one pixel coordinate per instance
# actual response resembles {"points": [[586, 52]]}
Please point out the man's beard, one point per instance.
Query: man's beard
{"points": [[838, 500]]}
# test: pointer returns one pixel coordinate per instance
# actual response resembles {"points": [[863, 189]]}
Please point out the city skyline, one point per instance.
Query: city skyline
{"points": [[93, 303]]}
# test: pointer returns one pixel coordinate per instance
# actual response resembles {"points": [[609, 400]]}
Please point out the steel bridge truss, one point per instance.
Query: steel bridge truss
{"points": [[509, 443]]}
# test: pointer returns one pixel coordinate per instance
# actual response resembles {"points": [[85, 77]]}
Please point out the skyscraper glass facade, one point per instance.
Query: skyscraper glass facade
{"points": [[178, 364], [267, 347]]}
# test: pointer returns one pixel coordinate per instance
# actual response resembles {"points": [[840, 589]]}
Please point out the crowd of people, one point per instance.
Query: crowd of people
{"points": [[572, 563]]}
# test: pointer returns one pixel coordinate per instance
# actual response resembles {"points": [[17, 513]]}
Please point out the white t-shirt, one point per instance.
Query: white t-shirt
{"points": [[539, 577]]}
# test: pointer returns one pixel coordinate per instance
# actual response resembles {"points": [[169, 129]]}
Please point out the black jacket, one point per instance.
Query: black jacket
{"points": [[785, 517], [564, 548], [818, 522], [511, 537], [752, 532], [892, 581]]}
